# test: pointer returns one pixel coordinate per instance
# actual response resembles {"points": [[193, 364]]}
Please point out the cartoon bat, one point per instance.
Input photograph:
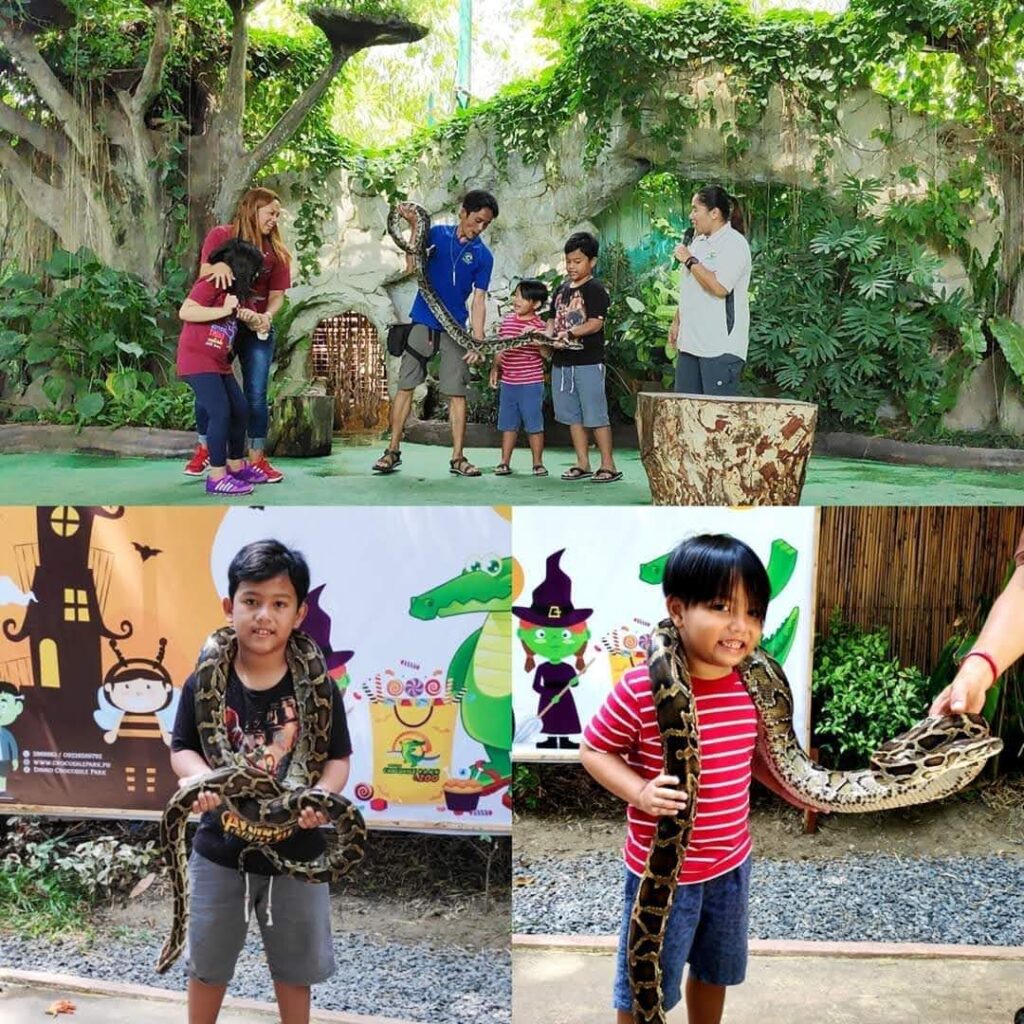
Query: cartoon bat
{"points": [[145, 552]]}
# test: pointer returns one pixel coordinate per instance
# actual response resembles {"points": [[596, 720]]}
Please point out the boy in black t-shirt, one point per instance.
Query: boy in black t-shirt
{"points": [[579, 307], [267, 588]]}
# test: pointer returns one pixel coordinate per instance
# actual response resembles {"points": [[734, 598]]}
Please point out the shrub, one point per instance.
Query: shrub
{"points": [[862, 696]]}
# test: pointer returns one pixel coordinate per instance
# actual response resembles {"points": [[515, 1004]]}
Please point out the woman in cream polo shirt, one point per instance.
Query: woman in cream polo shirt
{"points": [[711, 328]]}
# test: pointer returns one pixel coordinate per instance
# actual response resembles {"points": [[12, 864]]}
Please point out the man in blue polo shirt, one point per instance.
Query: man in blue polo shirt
{"points": [[459, 267]]}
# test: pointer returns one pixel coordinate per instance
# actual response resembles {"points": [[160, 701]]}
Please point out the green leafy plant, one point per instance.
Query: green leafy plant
{"points": [[861, 695], [88, 333]]}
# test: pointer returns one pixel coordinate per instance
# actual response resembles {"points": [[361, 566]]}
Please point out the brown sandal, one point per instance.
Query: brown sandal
{"points": [[462, 467], [388, 462]]}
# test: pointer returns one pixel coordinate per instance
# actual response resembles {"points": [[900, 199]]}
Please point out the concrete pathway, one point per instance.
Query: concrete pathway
{"points": [[812, 983], [344, 478], [25, 997]]}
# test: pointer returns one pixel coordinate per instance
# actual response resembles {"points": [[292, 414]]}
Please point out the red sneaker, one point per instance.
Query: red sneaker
{"points": [[274, 476], [199, 462]]}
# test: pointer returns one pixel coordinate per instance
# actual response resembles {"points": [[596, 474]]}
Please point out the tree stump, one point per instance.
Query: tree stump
{"points": [[301, 426], [703, 450]]}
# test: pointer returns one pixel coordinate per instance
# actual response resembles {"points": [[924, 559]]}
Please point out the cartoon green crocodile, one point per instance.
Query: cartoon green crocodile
{"points": [[413, 752], [480, 670]]}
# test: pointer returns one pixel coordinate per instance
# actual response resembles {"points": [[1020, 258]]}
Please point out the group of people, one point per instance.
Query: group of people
{"points": [[710, 332], [225, 316]]}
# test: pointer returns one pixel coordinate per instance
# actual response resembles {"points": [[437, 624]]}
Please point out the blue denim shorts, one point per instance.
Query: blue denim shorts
{"points": [[578, 395], [707, 928], [521, 405]]}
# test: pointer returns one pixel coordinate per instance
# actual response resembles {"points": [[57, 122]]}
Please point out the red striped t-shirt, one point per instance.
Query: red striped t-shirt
{"points": [[521, 365], [727, 720]]}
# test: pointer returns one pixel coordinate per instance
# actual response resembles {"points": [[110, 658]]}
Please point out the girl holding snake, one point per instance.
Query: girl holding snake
{"points": [[267, 588], [716, 591]]}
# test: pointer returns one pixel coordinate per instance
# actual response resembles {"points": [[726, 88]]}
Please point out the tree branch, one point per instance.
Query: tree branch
{"points": [[70, 115], [295, 114], [39, 137], [43, 200], [152, 76], [233, 107]]}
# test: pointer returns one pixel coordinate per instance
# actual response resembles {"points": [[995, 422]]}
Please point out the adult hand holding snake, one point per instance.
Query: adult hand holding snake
{"points": [[1000, 643]]}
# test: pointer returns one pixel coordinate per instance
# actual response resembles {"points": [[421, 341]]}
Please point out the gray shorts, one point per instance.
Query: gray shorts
{"points": [[577, 393], [294, 919], [708, 375], [453, 377]]}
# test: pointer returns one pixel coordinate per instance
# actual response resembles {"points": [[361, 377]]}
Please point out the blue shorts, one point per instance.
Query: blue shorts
{"points": [[521, 405], [707, 928], [578, 395], [708, 375]]}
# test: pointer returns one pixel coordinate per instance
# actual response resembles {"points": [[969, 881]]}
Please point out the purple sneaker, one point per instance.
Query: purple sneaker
{"points": [[250, 474], [228, 485]]}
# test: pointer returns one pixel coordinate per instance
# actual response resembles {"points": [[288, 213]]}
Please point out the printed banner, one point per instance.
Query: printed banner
{"points": [[104, 610], [606, 585]]}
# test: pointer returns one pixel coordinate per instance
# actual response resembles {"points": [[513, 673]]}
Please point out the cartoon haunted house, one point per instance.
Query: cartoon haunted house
{"points": [[64, 625]]}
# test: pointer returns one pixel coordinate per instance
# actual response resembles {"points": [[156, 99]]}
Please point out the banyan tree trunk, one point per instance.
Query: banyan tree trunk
{"points": [[703, 450], [301, 426]]}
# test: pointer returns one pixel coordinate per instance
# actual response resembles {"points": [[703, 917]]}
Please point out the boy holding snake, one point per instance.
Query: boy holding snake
{"points": [[267, 588], [716, 591]]}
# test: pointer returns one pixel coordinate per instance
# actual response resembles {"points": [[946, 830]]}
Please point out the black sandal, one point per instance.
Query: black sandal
{"points": [[388, 462], [462, 467]]}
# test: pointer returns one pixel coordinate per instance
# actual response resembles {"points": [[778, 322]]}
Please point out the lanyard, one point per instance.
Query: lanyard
{"points": [[451, 252]]}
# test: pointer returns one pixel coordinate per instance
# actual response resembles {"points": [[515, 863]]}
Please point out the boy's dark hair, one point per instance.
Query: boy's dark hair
{"points": [[709, 567], [533, 290], [245, 261], [585, 242], [10, 688], [478, 199], [265, 559]]}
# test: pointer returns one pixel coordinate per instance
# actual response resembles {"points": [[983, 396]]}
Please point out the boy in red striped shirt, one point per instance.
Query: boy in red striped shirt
{"points": [[521, 371], [716, 591]]}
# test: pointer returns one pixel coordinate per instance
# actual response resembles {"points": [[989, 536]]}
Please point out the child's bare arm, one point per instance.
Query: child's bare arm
{"points": [[191, 312], [187, 765], [654, 796], [332, 780]]}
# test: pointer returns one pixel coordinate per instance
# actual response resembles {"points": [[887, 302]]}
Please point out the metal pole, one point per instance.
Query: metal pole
{"points": [[462, 81]]}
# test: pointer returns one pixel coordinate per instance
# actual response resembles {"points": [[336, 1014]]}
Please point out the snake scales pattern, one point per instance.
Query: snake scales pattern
{"points": [[268, 807], [416, 247], [936, 757]]}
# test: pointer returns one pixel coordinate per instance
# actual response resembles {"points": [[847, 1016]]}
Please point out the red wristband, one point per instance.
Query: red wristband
{"points": [[988, 658]]}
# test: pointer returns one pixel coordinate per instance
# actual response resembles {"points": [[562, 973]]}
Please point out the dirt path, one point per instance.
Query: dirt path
{"points": [[988, 823], [466, 921]]}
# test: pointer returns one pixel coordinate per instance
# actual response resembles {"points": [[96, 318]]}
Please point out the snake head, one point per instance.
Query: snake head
{"points": [[960, 743]]}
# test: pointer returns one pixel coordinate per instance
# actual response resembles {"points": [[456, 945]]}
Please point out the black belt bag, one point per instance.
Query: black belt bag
{"points": [[398, 338]]}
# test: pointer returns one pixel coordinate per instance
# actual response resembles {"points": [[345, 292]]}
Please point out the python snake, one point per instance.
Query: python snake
{"points": [[416, 247], [268, 808], [936, 757]]}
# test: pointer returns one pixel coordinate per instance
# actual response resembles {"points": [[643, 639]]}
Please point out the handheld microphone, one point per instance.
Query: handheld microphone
{"points": [[688, 236]]}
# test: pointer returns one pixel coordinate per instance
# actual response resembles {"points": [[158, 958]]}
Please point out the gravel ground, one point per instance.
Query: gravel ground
{"points": [[965, 900], [447, 985]]}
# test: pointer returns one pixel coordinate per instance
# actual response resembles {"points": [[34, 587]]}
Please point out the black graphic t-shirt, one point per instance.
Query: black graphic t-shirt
{"points": [[571, 307], [263, 725]]}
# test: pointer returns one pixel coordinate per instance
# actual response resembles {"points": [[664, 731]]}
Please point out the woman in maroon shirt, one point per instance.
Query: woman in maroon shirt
{"points": [[255, 221], [1000, 643]]}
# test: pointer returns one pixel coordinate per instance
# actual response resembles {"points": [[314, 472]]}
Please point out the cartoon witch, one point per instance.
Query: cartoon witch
{"points": [[553, 629]]}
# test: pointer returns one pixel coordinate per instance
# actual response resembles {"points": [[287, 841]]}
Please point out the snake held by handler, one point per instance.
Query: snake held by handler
{"points": [[267, 807], [416, 247], [933, 759]]}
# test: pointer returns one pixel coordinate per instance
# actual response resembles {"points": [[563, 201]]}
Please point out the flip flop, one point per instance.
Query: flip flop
{"points": [[575, 473], [539, 471], [606, 476], [502, 469]]}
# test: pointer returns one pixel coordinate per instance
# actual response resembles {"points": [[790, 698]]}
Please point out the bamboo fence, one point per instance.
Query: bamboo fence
{"points": [[919, 572], [347, 352]]}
